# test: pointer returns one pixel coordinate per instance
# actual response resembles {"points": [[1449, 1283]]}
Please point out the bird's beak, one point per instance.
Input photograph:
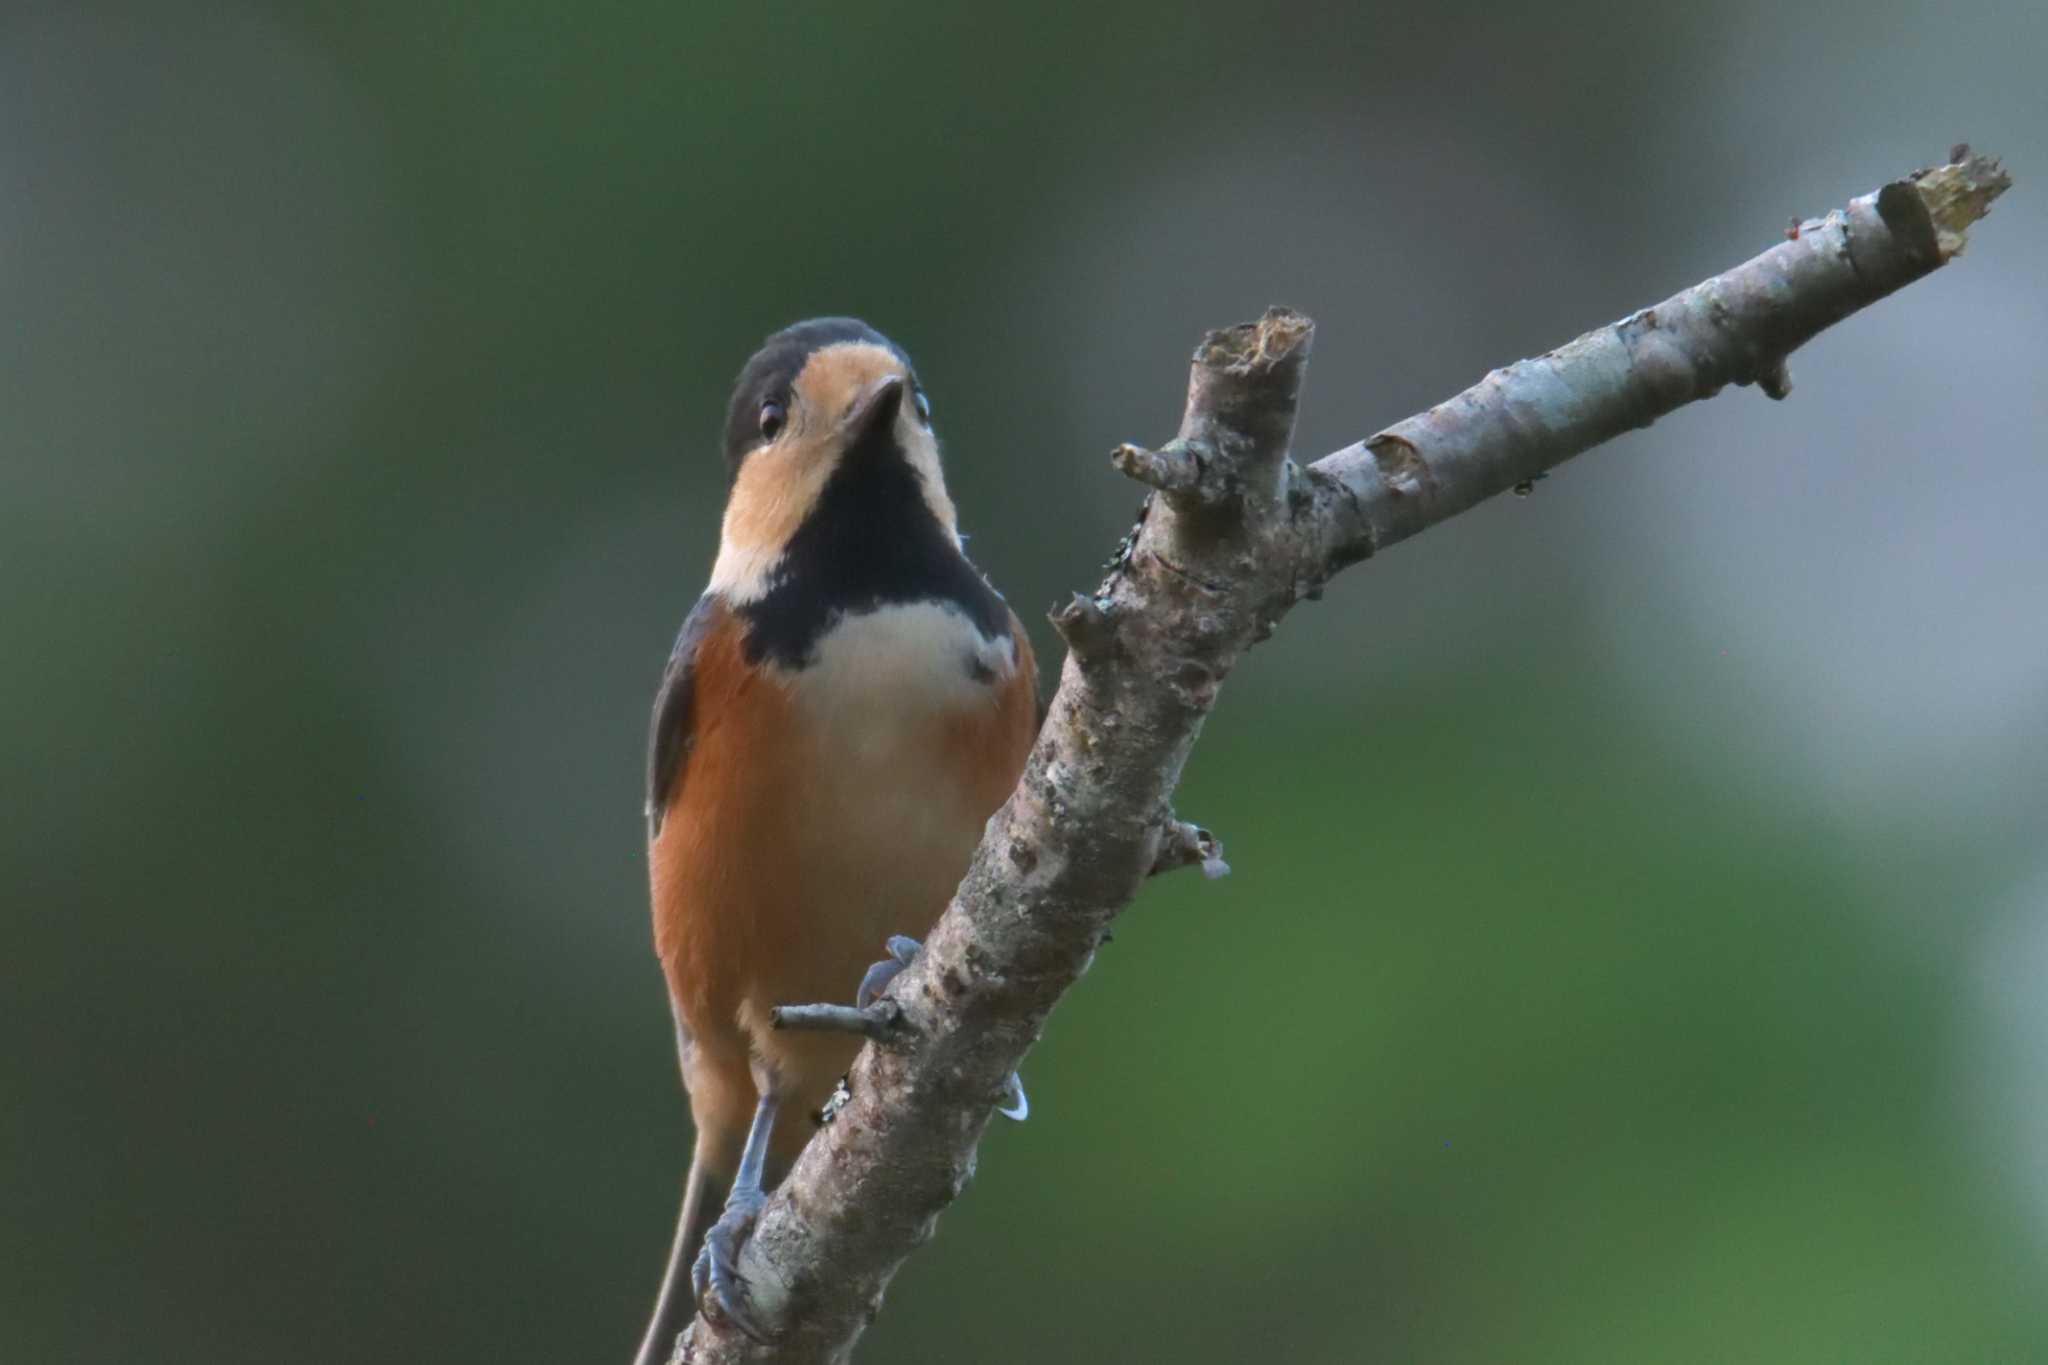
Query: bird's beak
{"points": [[875, 408]]}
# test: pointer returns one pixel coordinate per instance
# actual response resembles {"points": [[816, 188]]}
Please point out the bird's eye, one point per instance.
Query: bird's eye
{"points": [[772, 418], [924, 408]]}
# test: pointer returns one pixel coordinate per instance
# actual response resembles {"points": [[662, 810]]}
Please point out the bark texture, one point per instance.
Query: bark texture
{"points": [[1233, 535]]}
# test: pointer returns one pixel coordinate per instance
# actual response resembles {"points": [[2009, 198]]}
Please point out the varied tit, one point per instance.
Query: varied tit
{"points": [[846, 705]]}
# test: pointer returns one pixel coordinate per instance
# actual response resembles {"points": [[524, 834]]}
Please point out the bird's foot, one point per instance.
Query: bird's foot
{"points": [[715, 1276], [902, 951]]}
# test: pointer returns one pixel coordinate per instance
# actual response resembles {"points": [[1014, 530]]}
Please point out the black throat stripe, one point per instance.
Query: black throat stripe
{"points": [[870, 542]]}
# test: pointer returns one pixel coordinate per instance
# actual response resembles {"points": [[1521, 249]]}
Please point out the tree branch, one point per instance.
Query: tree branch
{"points": [[1737, 328], [1233, 536]]}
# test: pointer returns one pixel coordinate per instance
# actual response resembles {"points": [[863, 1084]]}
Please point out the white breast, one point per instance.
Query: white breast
{"points": [[890, 814], [901, 666]]}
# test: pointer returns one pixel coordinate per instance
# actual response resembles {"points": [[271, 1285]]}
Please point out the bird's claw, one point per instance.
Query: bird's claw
{"points": [[715, 1275], [902, 950]]}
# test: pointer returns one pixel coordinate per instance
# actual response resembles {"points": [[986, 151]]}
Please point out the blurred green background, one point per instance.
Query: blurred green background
{"points": [[1640, 913]]}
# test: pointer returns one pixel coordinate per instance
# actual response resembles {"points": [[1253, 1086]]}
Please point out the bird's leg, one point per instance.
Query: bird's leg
{"points": [[901, 951], [715, 1276]]}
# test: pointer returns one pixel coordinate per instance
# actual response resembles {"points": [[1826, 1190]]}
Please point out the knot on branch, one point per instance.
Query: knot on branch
{"points": [[1775, 379], [1085, 624], [1403, 471]]}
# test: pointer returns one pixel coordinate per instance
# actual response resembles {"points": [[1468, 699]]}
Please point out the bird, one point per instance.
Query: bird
{"points": [[846, 705]]}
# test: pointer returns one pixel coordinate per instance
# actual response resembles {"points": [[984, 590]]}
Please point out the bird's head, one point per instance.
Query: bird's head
{"points": [[827, 424]]}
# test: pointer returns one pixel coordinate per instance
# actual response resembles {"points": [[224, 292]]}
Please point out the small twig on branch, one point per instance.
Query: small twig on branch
{"points": [[878, 1020], [1184, 845], [1182, 469], [1236, 534]]}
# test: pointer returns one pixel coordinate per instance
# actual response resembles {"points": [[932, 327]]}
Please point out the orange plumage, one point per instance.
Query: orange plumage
{"points": [[787, 860]]}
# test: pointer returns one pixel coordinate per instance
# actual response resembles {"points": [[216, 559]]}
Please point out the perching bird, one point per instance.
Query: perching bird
{"points": [[846, 706]]}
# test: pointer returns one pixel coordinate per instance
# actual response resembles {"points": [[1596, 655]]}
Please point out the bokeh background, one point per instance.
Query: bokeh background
{"points": [[1640, 917]]}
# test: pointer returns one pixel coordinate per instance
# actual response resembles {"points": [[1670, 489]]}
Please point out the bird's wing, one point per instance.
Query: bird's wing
{"points": [[669, 733]]}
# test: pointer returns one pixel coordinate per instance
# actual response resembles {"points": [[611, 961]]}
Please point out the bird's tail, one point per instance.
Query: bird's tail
{"points": [[678, 1301]]}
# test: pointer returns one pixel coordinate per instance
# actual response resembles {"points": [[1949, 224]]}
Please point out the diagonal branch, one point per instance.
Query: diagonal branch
{"points": [[1234, 535], [1516, 423]]}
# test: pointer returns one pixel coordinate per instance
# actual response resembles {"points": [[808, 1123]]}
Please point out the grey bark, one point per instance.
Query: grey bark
{"points": [[1234, 534]]}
